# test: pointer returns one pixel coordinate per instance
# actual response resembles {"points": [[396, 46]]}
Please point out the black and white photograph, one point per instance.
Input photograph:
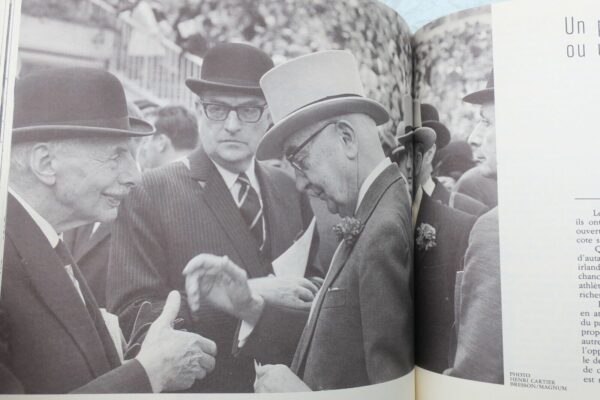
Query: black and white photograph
{"points": [[201, 198], [458, 313]]}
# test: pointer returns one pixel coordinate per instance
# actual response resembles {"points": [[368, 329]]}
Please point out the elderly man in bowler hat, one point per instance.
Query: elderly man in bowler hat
{"points": [[360, 329], [71, 165], [479, 354], [219, 201]]}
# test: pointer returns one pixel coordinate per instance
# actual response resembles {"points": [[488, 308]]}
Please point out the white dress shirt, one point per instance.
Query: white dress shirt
{"points": [[50, 234]]}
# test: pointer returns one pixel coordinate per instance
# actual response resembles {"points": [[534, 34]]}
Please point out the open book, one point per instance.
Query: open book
{"points": [[450, 248]]}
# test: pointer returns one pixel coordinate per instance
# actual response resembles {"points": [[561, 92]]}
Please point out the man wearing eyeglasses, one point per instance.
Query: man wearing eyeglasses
{"points": [[218, 201], [360, 329]]}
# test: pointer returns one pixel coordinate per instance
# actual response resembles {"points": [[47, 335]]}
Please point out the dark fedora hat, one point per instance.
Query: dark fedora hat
{"points": [[72, 102], [232, 66], [431, 119], [484, 95], [425, 135]]}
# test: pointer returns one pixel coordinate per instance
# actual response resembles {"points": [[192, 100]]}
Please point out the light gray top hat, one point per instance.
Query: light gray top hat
{"points": [[309, 89]]}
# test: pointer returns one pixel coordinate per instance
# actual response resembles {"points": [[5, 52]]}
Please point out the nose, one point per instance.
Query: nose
{"points": [[232, 122], [129, 174], [476, 137]]}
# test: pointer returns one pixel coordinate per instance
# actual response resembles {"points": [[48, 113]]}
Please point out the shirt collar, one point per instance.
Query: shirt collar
{"points": [[230, 178], [44, 225], [429, 186], [416, 205], [370, 179]]}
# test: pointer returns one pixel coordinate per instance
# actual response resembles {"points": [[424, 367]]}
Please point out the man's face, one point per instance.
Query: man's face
{"points": [[232, 142], [93, 176], [404, 160], [485, 136], [322, 169]]}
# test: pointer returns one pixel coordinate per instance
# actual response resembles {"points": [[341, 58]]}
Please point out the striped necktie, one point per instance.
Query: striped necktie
{"points": [[251, 209]]}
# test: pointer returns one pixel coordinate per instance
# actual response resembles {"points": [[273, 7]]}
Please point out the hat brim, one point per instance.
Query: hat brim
{"points": [[480, 97], [53, 132], [442, 133], [271, 145], [199, 85], [425, 136]]}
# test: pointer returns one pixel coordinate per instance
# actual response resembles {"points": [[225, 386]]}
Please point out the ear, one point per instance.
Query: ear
{"points": [[417, 163], [348, 137], [42, 162]]}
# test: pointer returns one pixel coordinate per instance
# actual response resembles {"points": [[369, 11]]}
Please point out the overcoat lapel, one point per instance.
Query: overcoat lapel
{"points": [[390, 175], [50, 280], [102, 233], [276, 213], [218, 198]]}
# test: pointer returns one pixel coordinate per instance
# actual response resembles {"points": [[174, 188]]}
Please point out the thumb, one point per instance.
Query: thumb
{"points": [[170, 310]]}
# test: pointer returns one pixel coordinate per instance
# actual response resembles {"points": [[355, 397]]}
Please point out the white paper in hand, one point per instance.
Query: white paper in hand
{"points": [[292, 262]]}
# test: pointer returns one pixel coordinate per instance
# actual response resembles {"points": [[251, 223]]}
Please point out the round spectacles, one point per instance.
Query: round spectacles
{"points": [[220, 112]]}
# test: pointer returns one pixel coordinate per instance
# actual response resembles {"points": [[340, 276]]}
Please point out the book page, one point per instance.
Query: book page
{"points": [[525, 319], [273, 122]]}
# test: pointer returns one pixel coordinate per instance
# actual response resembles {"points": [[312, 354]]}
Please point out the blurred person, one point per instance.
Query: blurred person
{"points": [[440, 235], [479, 352], [218, 200], [71, 165], [176, 136], [451, 162], [435, 189], [327, 130]]}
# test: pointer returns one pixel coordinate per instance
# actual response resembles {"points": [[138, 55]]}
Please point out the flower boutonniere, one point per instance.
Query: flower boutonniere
{"points": [[425, 237], [348, 230]]}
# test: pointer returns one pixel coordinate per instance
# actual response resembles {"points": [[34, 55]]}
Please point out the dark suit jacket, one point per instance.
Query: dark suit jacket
{"points": [[361, 328], [479, 354], [435, 274], [179, 212], [473, 184], [90, 252], [457, 200], [55, 343]]}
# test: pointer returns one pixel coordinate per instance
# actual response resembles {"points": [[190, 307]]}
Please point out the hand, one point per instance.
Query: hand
{"points": [[277, 379], [174, 359], [223, 284], [285, 291]]}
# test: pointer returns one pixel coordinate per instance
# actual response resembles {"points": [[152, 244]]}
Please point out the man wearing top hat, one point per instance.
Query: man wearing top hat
{"points": [[479, 351], [441, 235], [218, 201], [432, 187], [360, 330], [71, 165]]}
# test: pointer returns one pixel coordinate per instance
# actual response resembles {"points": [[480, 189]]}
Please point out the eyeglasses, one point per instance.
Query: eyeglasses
{"points": [[220, 112], [295, 150]]}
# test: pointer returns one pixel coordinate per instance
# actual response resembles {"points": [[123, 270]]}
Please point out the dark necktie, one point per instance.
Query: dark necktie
{"points": [[65, 255], [251, 209]]}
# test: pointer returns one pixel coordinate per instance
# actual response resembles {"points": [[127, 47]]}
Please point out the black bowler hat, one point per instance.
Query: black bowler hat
{"points": [[72, 102], [232, 66], [431, 119], [484, 95]]}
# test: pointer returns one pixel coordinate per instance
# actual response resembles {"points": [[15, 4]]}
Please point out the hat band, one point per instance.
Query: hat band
{"points": [[110, 123], [324, 99]]}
